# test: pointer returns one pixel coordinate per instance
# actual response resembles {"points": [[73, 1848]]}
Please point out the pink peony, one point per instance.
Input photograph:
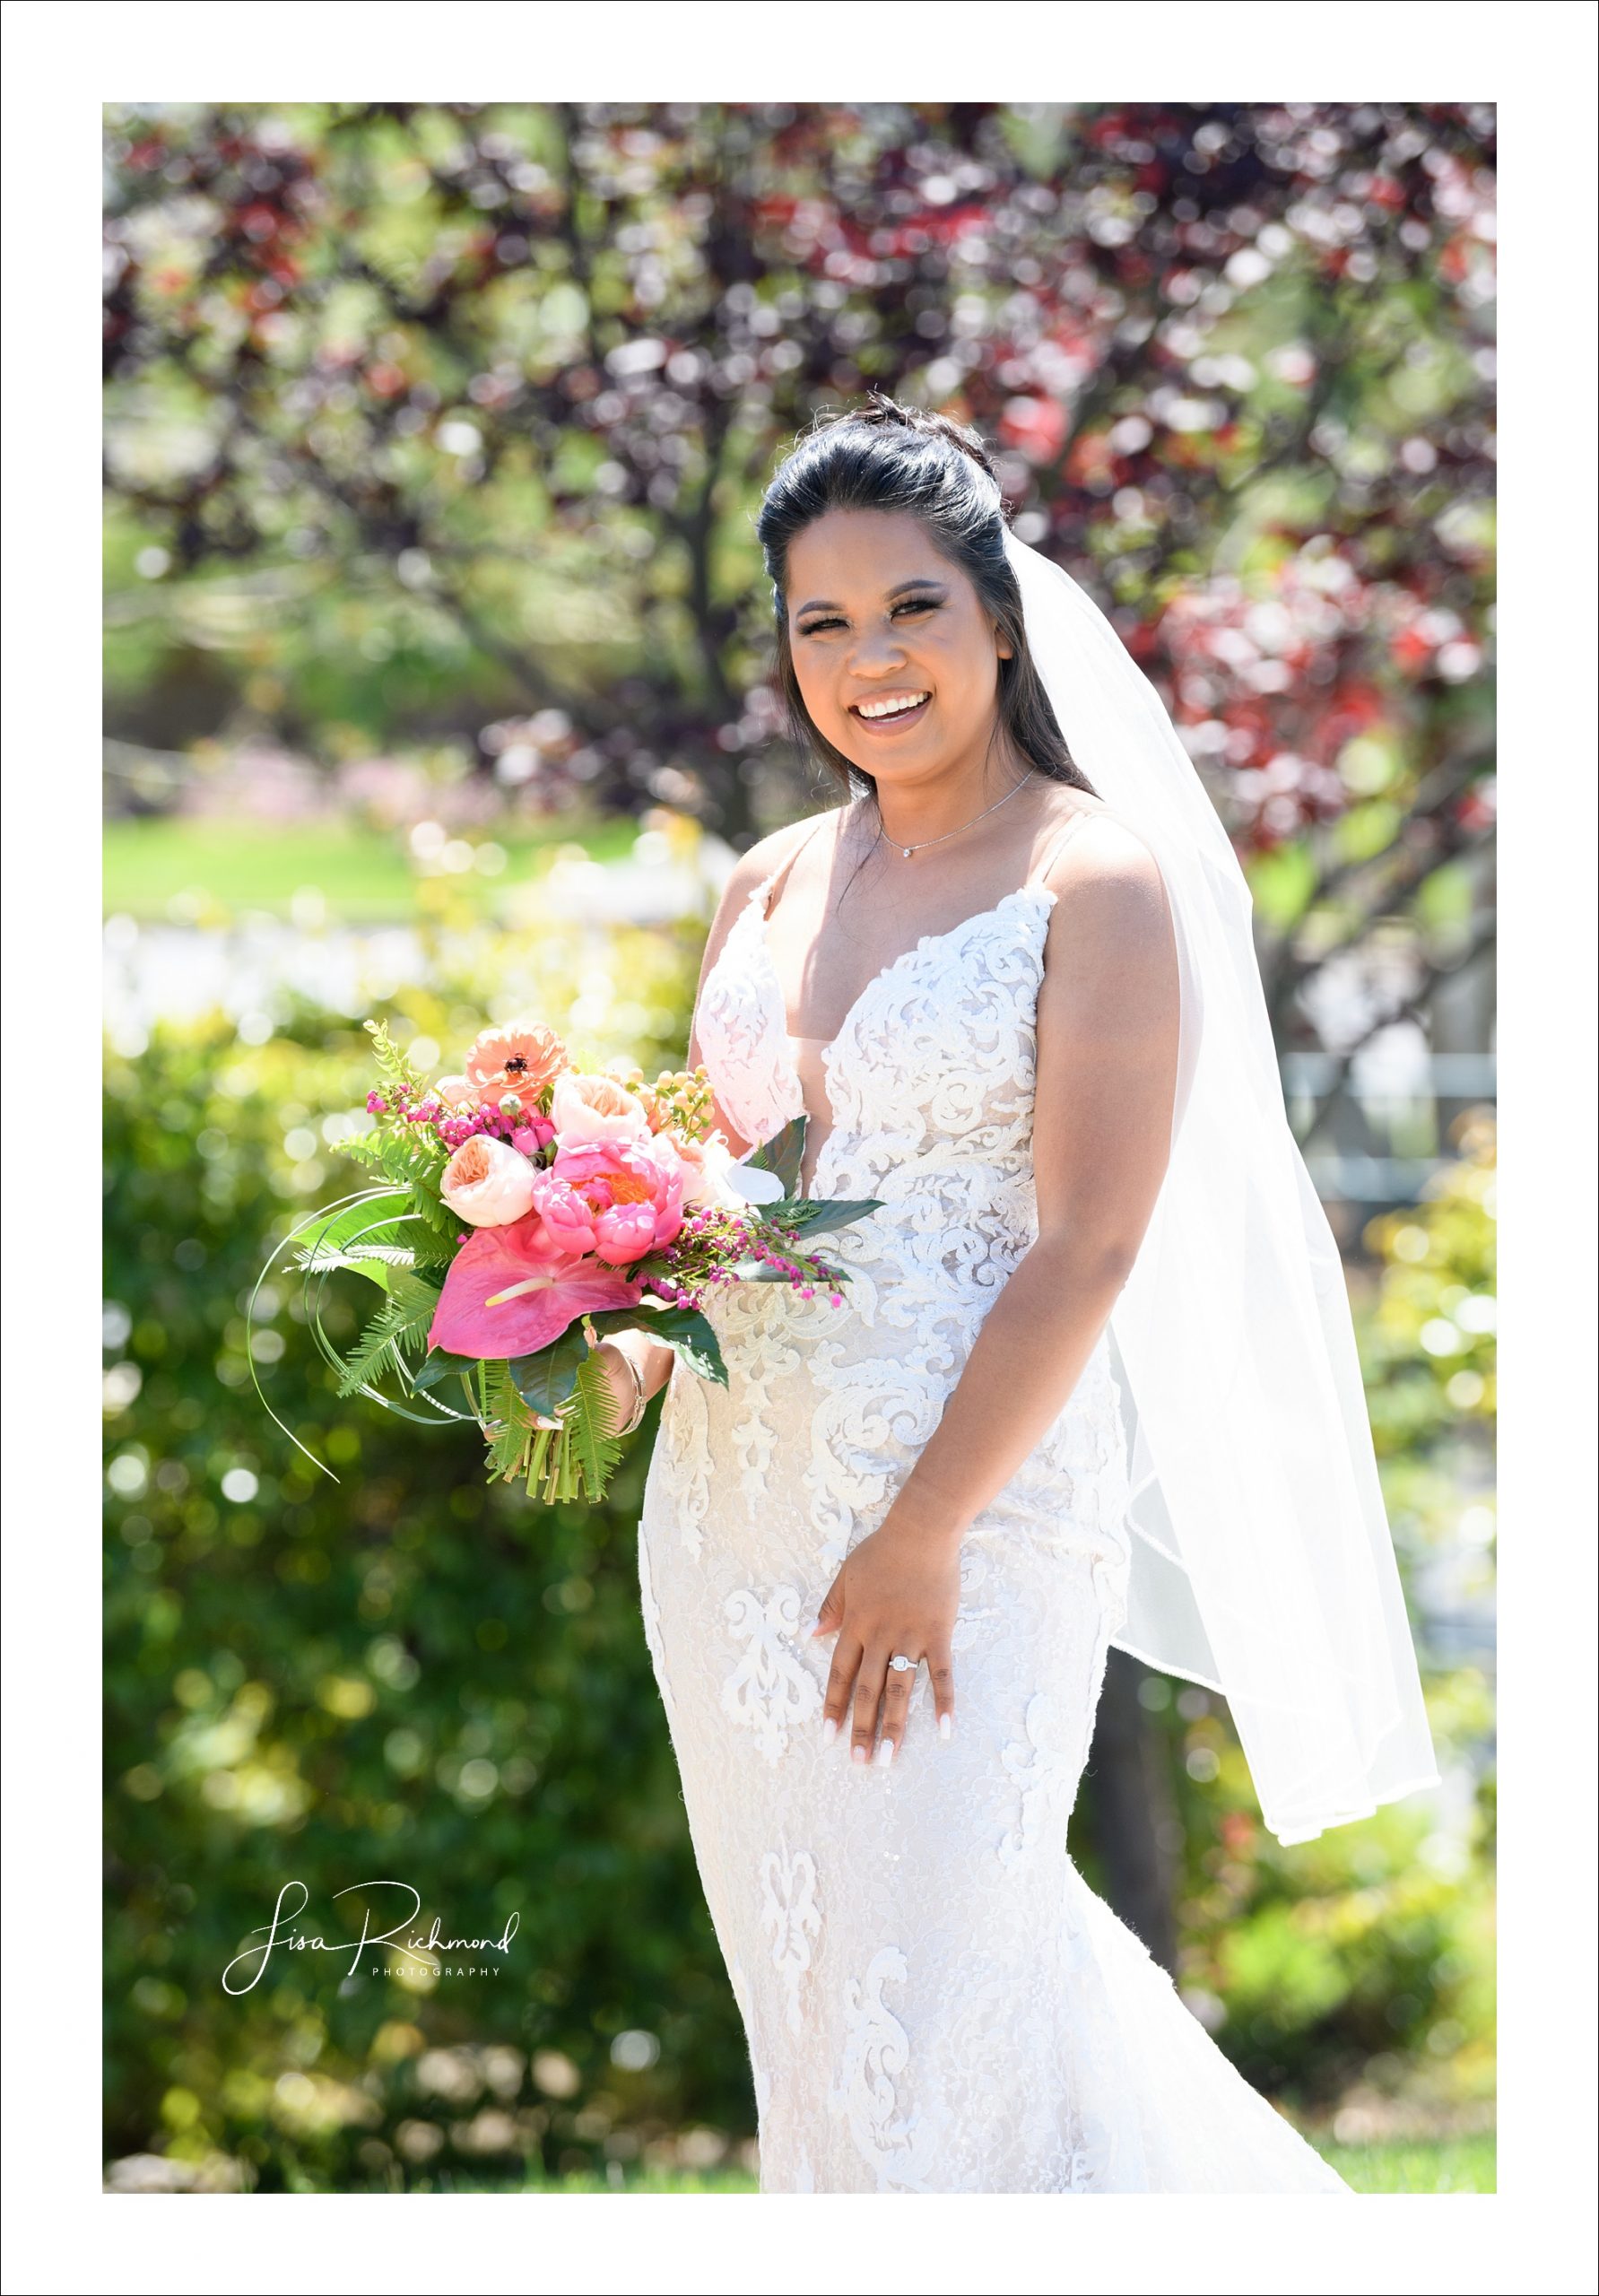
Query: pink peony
{"points": [[617, 1198], [487, 1184], [511, 1290], [585, 1108]]}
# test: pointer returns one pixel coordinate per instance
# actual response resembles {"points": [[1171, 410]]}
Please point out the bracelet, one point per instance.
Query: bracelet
{"points": [[638, 1395]]}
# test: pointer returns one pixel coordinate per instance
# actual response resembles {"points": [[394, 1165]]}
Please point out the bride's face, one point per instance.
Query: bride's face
{"points": [[877, 615]]}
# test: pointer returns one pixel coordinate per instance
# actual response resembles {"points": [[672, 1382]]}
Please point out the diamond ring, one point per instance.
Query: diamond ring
{"points": [[902, 1666]]}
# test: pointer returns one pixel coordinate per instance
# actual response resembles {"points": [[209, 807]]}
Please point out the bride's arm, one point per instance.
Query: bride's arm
{"points": [[652, 1356], [1106, 1078]]}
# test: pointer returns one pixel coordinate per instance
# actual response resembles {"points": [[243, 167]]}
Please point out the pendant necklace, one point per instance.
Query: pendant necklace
{"points": [[909, 850]]}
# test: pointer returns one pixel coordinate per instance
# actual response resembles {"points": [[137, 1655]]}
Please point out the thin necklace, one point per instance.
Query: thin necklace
{"points": [[909, 850]]}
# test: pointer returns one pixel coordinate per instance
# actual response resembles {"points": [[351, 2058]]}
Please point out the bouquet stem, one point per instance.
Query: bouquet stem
{"points": [[552, 1470]]}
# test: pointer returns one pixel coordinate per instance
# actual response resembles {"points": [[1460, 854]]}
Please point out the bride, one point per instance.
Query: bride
{"points": [[1090, 1381]]}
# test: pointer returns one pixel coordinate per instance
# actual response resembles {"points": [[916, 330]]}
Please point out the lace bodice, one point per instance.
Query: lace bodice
{"points": [[931, 1075]]}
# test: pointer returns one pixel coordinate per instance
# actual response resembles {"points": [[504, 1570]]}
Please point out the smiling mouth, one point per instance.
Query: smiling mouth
{"points": [[897, 716]]}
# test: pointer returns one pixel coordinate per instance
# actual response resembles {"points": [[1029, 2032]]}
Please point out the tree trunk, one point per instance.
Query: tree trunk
{"points": [[1134, 1812]]}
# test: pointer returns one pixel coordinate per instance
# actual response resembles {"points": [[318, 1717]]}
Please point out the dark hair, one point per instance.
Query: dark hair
{"points": [[884, 457]]}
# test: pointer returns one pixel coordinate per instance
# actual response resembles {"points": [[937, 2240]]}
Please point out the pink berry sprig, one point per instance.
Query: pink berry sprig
{"points": [[713, 1238]]}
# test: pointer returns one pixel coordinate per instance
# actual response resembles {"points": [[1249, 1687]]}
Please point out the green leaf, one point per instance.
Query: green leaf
{"points": [[781, 1154], [373, 1261], [369, 1218], [439, 1365], [687, 1331], [683, 1329], [402, 1227], [545, 1379], [812, 1217]]}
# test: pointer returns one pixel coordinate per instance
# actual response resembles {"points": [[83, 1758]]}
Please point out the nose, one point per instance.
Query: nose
{"points": [[876, 651]]}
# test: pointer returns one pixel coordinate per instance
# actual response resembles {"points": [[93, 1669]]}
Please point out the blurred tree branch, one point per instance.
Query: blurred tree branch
{"points": [[1235, 359]]}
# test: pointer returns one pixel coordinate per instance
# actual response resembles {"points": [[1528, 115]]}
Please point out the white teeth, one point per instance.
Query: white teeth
{"points": [[892, 709]]}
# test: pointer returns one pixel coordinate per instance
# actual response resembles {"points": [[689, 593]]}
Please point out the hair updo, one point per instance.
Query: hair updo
{"points": [[884, 457]]}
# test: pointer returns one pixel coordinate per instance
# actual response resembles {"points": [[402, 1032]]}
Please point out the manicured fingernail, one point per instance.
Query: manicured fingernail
{"points": [[857, 1754], [946, 1723], [830, 1729], [885, 1753]]}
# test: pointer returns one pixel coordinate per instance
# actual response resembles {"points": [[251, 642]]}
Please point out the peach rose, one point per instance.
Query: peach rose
{"points": [[454, 1090], [585, 1108], [487, 1183], [522, 1058]]}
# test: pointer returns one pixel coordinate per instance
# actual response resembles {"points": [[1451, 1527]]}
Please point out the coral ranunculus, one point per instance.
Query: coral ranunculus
{"points": [[536, 1292], [487, 1184], [523, 1058], [617, 1198]]}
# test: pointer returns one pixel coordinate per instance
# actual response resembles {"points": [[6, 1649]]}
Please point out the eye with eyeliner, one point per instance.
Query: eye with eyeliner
{"points": [[906, 605]]}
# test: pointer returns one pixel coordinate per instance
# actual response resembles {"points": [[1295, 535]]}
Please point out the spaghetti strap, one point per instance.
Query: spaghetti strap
{"points": [[771, 885], [1070, 830]]}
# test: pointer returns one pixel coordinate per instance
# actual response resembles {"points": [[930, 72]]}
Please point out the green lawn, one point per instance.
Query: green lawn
{"points": [[1439, 2164], [362, 874], [1443, 2164]]}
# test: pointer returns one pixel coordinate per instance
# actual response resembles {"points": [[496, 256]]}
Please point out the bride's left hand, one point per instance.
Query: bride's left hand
{"points": [[897, 1593]]}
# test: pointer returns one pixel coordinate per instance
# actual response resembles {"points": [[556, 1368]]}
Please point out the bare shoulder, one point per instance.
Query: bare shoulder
{"points": [[1110, 956], [1108, 882], [752, 867], [768, 852]]}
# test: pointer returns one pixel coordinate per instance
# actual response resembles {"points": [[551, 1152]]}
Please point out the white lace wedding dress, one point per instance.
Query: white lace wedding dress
{"points": [[934, 2000]]}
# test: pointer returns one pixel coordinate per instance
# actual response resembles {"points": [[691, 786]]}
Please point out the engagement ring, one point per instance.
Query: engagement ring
{"points": [[903, 1666]]}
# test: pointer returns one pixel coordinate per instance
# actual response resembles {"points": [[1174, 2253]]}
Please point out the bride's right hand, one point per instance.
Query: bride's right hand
{"points": [[619, 1379], [897, 1593]]}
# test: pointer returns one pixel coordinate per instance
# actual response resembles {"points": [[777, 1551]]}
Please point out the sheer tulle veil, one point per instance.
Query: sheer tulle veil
{"points": [[1263, 1562]]}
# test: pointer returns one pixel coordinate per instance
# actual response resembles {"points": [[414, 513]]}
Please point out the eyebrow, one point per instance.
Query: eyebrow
{"points": [[917, 582]]}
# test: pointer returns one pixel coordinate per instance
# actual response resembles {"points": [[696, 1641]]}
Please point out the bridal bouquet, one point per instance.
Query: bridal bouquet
{"points": [[525, 1207]]}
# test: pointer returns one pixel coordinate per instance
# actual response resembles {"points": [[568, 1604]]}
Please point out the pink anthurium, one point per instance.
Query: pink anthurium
{"points": [[509, 1291]]}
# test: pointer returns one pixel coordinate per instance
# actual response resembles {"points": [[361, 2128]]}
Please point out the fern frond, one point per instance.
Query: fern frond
{"points": [[591, 1424], [393, 1066], [431, 1247], [511, 1421], [365, 1147], [399, 1329], [410, 1156], [414, 1161]]}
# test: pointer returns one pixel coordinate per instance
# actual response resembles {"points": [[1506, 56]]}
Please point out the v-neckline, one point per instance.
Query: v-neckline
{"points": [[829, 1052]]}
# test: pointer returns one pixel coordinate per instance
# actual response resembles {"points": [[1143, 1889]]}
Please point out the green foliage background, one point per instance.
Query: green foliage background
{"points": [[409, 1675]]}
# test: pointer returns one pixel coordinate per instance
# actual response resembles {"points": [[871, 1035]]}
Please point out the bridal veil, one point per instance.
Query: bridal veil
{"points": [[1262, 1563]]}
